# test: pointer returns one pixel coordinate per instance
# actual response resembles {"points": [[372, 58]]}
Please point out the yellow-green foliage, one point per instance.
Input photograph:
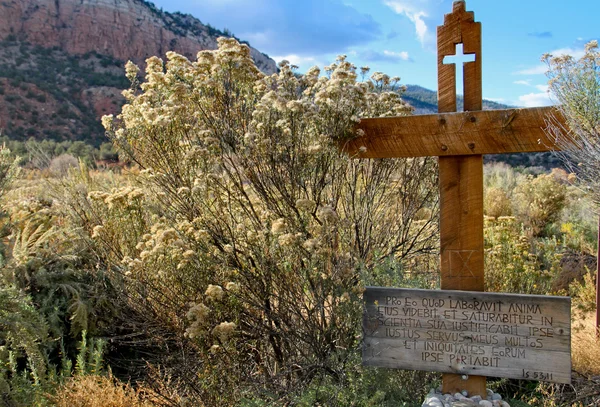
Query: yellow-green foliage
{"points": [[585, 345], [496, 203], [584, 292], [500, 175], [98, 391], [499, 182], [539, 201], [515, 263], [22, 329]]}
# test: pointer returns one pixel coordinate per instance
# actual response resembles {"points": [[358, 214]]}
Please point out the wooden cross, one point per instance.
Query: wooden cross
{"points": [[459, 140]]}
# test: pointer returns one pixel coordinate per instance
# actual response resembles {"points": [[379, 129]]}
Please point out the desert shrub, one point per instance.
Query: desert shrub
{"points": [[244, 238], [514, 262], [23, 332], [584, 293], [496, 203], [59, 166], [576, 85], [363, 387], [8, 169], [108, 153], [52, 296], [98, 391], [585, 345], [579, 227], [499, 175], [538, 202]]}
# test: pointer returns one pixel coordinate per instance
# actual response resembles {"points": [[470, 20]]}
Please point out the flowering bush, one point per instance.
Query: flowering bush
{"points": [[251, 227]]}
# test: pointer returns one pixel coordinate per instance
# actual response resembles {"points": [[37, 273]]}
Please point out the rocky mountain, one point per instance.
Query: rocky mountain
{"points": [[61, 61], [122, 29], [61, 65]]}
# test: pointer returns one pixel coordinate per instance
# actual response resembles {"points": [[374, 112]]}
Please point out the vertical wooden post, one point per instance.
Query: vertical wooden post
{"points": [[461, 177], [598, 284]]}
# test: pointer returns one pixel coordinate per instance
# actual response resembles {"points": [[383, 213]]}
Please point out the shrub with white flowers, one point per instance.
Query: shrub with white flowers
{"points": [[245, 188]]}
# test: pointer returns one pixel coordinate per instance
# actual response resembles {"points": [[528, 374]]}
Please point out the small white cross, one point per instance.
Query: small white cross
{"points": [[459, 59]]}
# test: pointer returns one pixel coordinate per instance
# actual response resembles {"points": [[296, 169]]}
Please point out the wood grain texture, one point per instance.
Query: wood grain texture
{"points": [[462, 332], [460, 140], [448, 134], [461, 223], [461, 192]]}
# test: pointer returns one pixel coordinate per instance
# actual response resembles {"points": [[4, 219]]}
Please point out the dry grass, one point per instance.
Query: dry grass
{"points": [[585, 346], [98, 391]]}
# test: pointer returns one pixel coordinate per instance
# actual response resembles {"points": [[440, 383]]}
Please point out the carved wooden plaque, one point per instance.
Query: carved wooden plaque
{"points": [[469, 333]]}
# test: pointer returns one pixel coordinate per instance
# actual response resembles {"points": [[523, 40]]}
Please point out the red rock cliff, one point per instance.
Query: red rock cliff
{"points": [[124, 29]]}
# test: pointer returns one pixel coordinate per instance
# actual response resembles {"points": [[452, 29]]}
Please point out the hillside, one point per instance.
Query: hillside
{"points": [[425, 101], [61, 65], [61, 61], [122, 29]]}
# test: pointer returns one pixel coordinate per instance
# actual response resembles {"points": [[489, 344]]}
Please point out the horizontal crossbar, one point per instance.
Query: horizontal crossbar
{"points": [[464, 133]]}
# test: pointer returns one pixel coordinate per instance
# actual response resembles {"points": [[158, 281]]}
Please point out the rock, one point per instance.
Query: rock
{"points": [[490, 393], [432, 401], [123, 29], [464, 393], [436, 399], [459, 396]]}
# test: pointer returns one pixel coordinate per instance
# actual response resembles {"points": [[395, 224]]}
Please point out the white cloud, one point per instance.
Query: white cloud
{"points": [[296, 59], [400, 55], [575, 53], [535, 99], [542, 69], [417, 11], [420, 25], [523, 82], [542, 88], [536, 70], [385, 55]]}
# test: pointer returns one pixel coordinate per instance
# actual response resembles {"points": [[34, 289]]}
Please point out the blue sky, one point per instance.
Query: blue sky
{"points": [[398, 36]]}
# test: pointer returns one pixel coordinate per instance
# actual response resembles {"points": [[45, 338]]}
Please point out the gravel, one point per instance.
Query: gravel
{"points": [[436, 399]]}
